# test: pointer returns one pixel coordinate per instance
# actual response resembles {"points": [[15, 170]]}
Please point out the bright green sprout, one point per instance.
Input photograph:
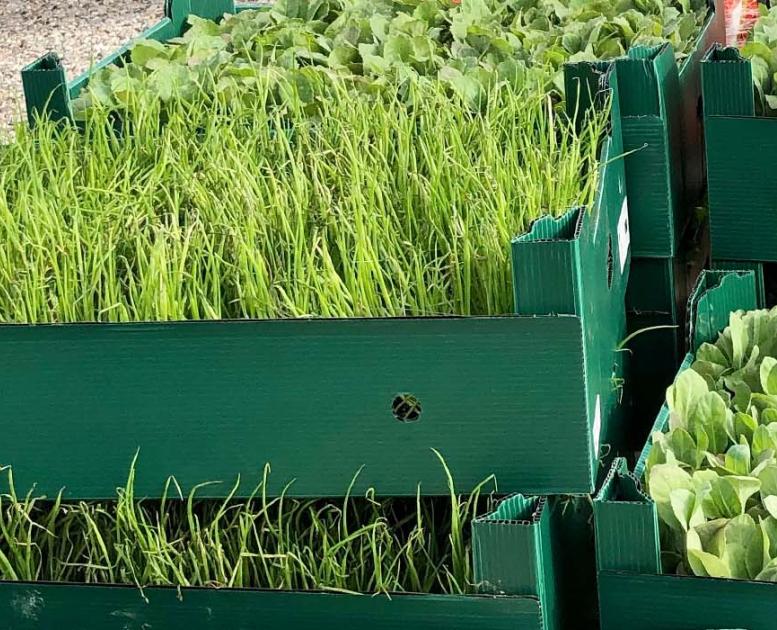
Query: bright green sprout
{"points": [[365, 207], [355, 544]]}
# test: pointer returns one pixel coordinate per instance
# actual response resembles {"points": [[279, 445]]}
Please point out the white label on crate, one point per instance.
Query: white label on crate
{"points": [[624, 236], [597, 428]]}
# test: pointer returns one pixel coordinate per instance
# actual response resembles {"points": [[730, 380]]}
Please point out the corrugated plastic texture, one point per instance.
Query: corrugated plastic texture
{"points": [[742, 188], [716, 295], [68, 607], [211, 400], [741, 153], [756, 267], [45, 89], [550, 245], [626, 525], [727, 80], [209, 9], [512, 554], [667, 602], [694, 169], [651, 116], [604, 254]]}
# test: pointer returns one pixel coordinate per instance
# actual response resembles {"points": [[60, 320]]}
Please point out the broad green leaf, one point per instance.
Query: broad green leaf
{"points": [[738, 459], [769, 527], [744, 427], [712, 354], [663, 480], [684, 395], [768, 573], [703, 563], [744, 547], [742, 396], [711, 414], [765, 438], [686, 509], [744, 487], [739, 340], [770, 503], [145, 50], [684, 448], [768, 374], [726, 497]]}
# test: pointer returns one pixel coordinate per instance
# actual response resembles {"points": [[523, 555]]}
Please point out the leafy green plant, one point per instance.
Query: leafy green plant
{"points": [[713, 474], [761, 50], [361, 544], [364, 207], [469, 46]]}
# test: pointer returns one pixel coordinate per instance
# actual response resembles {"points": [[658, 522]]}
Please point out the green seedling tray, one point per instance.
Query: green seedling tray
{"points": [[633, 592], [512, 558], [741, 153], [659, 106], [531, 398]]}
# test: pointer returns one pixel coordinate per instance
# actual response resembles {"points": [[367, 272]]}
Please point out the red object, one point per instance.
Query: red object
{"points": [[740, 15]]}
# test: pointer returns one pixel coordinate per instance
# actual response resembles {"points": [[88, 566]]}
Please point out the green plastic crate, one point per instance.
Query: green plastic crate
{"points": [[741, 153], [512, 559], [633, 593], [210, 400]]}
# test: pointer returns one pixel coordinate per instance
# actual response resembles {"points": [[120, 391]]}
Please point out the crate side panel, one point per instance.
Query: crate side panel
{"points": [[34, 606], [207, 401], [666, 602], [741, 154]]}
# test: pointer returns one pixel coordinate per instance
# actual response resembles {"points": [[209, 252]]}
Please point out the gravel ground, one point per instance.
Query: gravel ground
{"points": [[79, 30]]}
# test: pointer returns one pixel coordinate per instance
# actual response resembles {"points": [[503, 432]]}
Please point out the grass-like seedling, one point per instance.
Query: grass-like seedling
{"points": [[355, 544], [330, 206]]}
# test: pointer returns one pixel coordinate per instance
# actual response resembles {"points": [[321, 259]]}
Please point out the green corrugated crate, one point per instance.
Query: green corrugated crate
{"points": [[659, 105], [662, 131], [315, 397], [513, 560], [741, 153], [633, 593]]}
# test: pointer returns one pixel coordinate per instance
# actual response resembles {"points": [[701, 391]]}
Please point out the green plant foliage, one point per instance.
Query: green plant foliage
{"points": [[469, 46], [335, 207], [355, 544], [713, 474], [761, 50]]}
